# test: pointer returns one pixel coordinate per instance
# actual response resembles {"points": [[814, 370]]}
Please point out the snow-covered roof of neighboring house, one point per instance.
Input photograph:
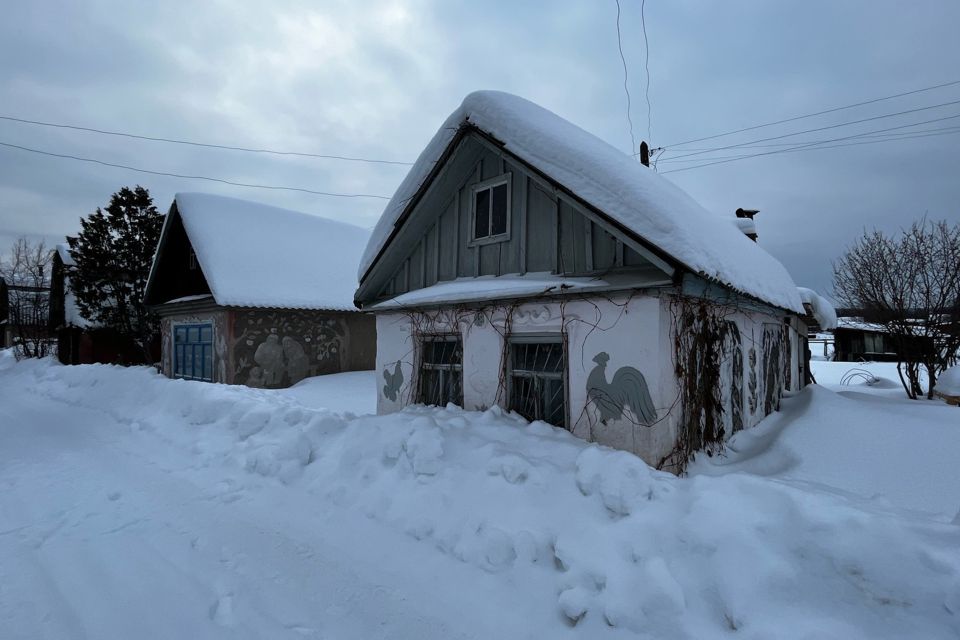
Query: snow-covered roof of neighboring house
{"points": [[633, 195], [255, 255], [63, 250], [71, 313], [823, 311], [857, 324]]}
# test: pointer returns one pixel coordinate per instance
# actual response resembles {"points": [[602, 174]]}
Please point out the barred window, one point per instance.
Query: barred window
{"points": [[441, 370], [537, 379]]}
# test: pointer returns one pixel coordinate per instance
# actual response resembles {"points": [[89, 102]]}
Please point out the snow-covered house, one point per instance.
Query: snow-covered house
{"points": [[257, 295], [6, 334], [80, 341], [525, 263]]}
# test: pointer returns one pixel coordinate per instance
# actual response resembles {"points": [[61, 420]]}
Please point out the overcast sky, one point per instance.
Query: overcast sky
{"points": [[377, 78]]}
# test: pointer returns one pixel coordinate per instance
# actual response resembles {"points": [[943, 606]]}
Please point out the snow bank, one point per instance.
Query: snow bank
{"points": [[613, 182], [272, 257], [823, 311], [622, 545], [949, 382]]}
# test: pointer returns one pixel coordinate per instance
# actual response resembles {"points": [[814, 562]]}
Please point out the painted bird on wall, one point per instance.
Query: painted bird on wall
{"points": [[627, 390], [393, 382]]}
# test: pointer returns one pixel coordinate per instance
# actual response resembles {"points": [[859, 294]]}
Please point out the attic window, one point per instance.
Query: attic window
{"points": [[193, 260], [491, 209]]}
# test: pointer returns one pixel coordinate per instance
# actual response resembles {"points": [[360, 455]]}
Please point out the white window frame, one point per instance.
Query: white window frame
{"points": [[506, 179]]}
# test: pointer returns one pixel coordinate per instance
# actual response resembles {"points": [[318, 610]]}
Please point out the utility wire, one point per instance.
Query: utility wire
{"points": [[882, 138], [818, 113], [200, 144], [790, 144], [825, 128], [944, 132], [646, 66], [807, 146], [626, 89], [191, 177]]}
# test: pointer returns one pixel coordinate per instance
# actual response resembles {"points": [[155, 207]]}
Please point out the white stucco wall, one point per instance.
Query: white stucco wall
{"points": [[628, 330], [633, 331]]}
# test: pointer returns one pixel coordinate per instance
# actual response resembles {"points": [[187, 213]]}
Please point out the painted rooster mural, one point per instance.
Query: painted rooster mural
{"points": [[393, 382], [627, 390]]}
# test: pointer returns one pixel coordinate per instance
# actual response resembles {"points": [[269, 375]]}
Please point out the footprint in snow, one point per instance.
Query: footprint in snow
{"points": [[221, 611]]}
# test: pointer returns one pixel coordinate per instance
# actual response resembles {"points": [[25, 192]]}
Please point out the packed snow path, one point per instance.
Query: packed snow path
{"points": [[132, 506]]}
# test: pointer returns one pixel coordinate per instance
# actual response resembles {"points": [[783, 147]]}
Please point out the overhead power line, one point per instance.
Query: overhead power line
{"points": [[626, 88], [201, 144], [821, 144], [810, 146], [818, 113], [191, 177], [884, 137], [825, 128], [646, 66]]}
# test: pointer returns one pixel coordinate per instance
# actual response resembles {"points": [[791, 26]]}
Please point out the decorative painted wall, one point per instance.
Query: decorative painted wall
{"points": [[275, 348], [621, 386]]}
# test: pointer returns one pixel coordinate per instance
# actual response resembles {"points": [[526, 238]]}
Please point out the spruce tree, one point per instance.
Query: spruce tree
{"points": [[113, 253]]}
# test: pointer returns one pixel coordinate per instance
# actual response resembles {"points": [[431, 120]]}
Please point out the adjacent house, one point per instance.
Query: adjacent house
{"points": [[526, 264], [80, 341], [857, 340], [6, 332], [257, 295]]}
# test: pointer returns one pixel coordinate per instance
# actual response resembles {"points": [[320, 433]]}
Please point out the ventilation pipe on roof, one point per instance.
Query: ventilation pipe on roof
{"points": [[746, 223], [644, 153]]}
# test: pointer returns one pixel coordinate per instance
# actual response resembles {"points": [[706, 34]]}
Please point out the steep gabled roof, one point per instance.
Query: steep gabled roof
{"points": [[255, 255], [63, 250], [647, 204]]}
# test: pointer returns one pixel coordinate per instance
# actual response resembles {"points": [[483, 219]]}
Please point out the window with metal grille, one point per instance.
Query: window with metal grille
{"points": [[537, 379], [441, 370], [491, 209], [193, 351]]}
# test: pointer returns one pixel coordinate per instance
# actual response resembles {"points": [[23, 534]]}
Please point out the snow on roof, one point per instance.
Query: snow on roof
{"points": [[255, 255], [71, 312], [613, 182], [823, 311], [63, 250], [857, 324], [745, 225], [481, 288]]}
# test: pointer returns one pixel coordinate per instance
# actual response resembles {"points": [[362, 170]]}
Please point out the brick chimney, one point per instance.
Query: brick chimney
{"points": [[746, 224]]}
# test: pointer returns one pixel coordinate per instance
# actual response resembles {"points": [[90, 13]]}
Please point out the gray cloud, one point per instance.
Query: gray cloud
{"points": [[377, 78]]}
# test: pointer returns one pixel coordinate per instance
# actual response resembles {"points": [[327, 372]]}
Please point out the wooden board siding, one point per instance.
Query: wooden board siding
{"points": [[548, 231]]}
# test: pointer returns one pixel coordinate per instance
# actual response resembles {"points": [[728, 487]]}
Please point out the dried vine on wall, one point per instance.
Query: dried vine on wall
{"points": [[699, 332]]}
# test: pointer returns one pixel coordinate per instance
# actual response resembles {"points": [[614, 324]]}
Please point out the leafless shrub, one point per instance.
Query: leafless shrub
{"points": [[910, 284], [26, 272]]}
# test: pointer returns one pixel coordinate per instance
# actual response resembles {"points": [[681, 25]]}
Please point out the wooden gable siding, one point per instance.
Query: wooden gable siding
{"points": [[548, 231], [172, 277]]}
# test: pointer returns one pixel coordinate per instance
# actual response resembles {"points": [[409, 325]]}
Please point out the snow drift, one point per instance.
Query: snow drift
{"points": [[616, 544]]}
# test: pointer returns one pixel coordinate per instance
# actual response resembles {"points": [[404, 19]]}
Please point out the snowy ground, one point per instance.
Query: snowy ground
{"points": [[132, 506]]}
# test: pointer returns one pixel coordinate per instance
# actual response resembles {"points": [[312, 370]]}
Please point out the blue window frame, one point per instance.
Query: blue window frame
{"points": [[193, 351]]}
